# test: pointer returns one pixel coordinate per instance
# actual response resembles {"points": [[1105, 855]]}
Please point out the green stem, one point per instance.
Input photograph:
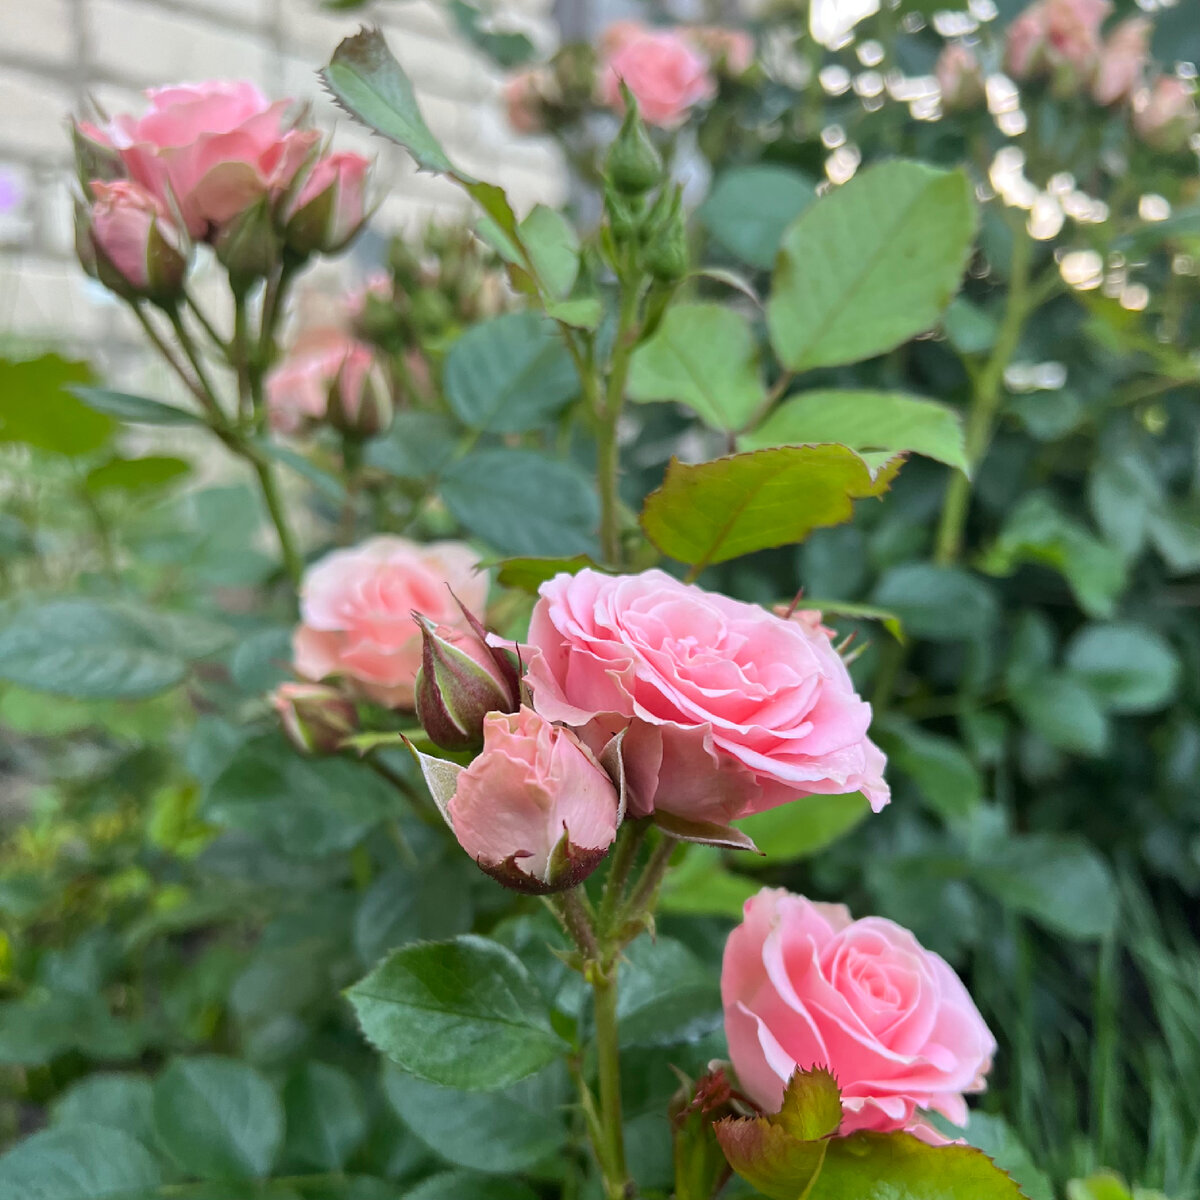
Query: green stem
{"points": [[169, 357], [352, 466], [206, 392], [293, 564], [986, 401], [633, 833], [646, 893], [611, 1151], [608, 454]]}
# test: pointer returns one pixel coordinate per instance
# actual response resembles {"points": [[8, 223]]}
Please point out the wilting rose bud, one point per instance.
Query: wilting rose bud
{"points": [[130, 245], [1165, 115], [331, 206], [462, 679], [633, 164], [248, 246], [535, 810], [315, 717], [359, 401]]}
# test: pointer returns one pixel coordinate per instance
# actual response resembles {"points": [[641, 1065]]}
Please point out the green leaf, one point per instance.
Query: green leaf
{"points": [[509, 374], [1063, 711], [523, 503], [865, 421], [745, 502], [994, 1136], [38, 409], [135, 410], [749, 208], [78, 1162], [369, 84], [137, 474], [124, 1102], [528, 574], [703, 356], [946, 778], [552, 244], [405, 904], [462, 1185], [418, 445], [1060, 881], [508, 48], [899, 1166], [803, 827], [870, 265], [464, 1013], [95, 649], [667, 995], [1129, 668], [970, 329], [938, 603], [502, 1133], [218, 1118], [306, 807], [326, 1117]]}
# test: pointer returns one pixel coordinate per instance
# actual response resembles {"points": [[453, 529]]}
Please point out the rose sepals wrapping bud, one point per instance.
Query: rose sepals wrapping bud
{"points": [[329, 209], [95, 157], [633, 164], [360, 402], [441, 778], [457, 686], [316, 718], [248, 246], [127, 242]]}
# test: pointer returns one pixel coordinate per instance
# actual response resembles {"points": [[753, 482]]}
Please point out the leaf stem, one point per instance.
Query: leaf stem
{"points": [[608, 454]]}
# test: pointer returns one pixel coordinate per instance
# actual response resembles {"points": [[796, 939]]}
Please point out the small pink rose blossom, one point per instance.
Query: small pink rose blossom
{"points": [[357, 605], [804, 985], [728, 708], [134, 244], [323, 362], [959, 76], [331, 205], [732, 50], [1123, 60], [1165, 114], [1057, 36], [667, 75], [523, 93], [534, 809], [211, 149]]}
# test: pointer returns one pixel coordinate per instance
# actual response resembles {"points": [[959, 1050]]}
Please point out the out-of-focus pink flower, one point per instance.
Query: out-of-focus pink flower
{"points": [[804, 985], [1056, 36], [1165, 115], [134, 247], [535, 810], [523, 100], [357, 605], [299, 388], [210, 149], [316, 718], [1123, 60], [727, 708], [666, 73], [331, 206], [731, 50], [959, 76]]}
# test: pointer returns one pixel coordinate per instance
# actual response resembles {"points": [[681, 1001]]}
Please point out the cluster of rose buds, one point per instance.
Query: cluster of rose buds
{"points": [[213, 162]]}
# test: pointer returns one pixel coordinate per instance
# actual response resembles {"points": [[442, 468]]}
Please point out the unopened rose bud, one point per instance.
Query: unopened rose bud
{"points": [[633, 164], [535, 810], [460, 682], [1165, 115], [248, 246], [330, 208], [126, 240], [1123, 60], [667, 258], [959, 76], [95, 156], [316, 718], [359, 401]]}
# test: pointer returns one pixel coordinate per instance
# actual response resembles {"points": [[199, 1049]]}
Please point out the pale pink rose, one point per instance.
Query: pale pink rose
{"points": [[1123, 60], [331, 205], [728, 708], [299, 388], [211, 149], [132, 235], [1165, 114], [959, 76], [523, 93], [804, 986], [357, 605], [730, 49], [535, 809], [1056, 35], [666, 74]]}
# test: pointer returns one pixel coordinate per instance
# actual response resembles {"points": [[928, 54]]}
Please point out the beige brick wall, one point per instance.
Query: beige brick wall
{"points": [[56, 53]]}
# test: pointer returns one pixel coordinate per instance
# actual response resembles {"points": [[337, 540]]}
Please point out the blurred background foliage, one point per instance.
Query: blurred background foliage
{"points": [[178, 887]]}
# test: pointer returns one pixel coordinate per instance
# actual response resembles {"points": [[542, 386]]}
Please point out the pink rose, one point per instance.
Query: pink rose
{"points": [[666, 74], [1165, 115], [523, 100], [1056, 35], [729, 709], [212, 149], [804, 985], [134, 246], [730, 49], [325, 364], [356, 612], [331, 206], [535, 809], [959, 76], [1123, 61]]}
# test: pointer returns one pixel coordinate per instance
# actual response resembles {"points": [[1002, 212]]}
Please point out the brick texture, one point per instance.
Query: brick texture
{"points": [[55, 54]]}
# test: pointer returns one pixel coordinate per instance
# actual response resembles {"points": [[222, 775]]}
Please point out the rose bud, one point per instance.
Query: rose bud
{"points": [[330, 208], [633, 165], [461, 681], [248, 246], [1123, 61], [667, 258], [535, 810], [959, 76], [1165, 115], [129, 243], [316, 718], [360, 404], [95, 156]]}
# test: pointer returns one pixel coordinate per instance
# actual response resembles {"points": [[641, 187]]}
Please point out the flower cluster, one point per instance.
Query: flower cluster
{"points": [[215, 162]]}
